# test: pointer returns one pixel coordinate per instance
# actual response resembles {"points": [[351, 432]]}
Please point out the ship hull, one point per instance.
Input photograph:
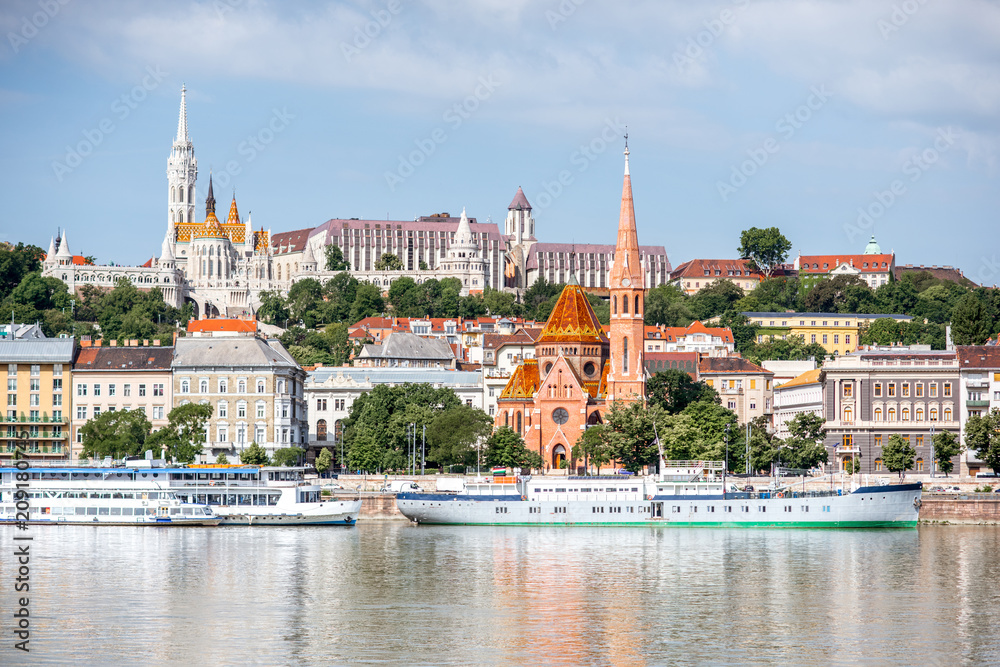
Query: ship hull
{"points": [[895, 506]]}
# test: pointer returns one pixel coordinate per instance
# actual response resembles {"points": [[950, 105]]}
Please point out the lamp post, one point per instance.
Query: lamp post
{"points": [[932, 450]]}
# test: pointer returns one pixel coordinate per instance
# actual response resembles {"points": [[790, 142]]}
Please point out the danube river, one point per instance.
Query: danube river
{"points": [[392, 593]]}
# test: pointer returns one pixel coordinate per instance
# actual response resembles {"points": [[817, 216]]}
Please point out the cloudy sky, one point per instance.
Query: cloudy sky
{"points": [[831, 120]]}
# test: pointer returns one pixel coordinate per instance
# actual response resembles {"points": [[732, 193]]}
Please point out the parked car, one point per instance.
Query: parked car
{"points": [[936, 489]]}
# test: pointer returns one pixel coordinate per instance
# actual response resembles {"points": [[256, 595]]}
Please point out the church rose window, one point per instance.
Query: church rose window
{"points": [[560, 416], [589, 368]]}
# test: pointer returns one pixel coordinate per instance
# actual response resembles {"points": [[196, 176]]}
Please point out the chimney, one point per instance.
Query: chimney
{"points": [[156, 342], [84, 342], [113, 343], [145, 342], [98, 342], [175, 338]]}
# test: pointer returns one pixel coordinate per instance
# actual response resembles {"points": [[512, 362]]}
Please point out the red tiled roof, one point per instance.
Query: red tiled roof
{"points": [[294, 241], [827, 263], [710, 365], [671, 334], [235, 325], [978, 356], [519, 202], [696, 268]]}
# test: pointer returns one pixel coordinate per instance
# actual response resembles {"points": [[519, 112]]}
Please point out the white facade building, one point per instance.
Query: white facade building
{"points": [[801, 395]]}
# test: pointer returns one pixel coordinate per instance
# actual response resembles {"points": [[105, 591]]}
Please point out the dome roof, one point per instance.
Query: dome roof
{"points": [[572, 320], [873, 248], [211, 229]]}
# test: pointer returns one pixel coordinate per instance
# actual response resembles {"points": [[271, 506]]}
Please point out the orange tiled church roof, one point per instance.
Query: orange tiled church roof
{"points": [[572, 320], [524, 382]]}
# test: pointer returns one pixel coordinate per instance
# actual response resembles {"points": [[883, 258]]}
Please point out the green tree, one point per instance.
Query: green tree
{"points": [[254, 455], [946, 446], [970, 322], [15, 263], [288, 456], [744, 331], [766, 248], [631, 437], [389, 262], [805, 448], [304, 297], [324, 461], [673, 390], [883, 331], [471, 306], [335, 258], [183, 438], [506, 448], [222, 459], [772, 295], [715, 299], [668, 305], [592, 448], [367, 302], [453, 435], [537, 294], [116, 434], [897, 455], [982, 435], [272, 309], [840, 294], [405, 297], [501, 304]]}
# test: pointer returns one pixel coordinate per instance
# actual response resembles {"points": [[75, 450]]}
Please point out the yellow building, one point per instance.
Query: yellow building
{"points": [[36, 418], [836, 332]]}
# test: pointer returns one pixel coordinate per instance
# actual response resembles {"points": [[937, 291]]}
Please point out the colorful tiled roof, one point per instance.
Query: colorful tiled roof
{"points": [[523, 384], [978, 356], [729, 365], [572, 320]]}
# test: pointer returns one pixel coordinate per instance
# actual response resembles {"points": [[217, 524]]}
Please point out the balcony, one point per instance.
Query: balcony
{"points": [[848, 449], [977, 384], [24, 419], [977, 404]]}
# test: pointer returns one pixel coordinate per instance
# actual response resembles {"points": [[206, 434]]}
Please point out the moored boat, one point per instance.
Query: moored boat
{"points": [[94, 496], [688, 493], [253, 495]]}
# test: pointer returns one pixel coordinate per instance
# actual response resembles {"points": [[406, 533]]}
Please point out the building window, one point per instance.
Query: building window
{"points": [[321, 429], [157, 390], [321, 404], [260, 386], [111, 390], [906, 414], [848, 415], [813, 339], [241, 410], [836, 339], [223, 409], [259, 434], [920, 414], [947, 389], [625, 356], [878, 465], [203, 386], [947, 414], [892, 389], [934, 414], [847, 339], [241, 387], [933, 389], [127, 390], [223, 386], [878, 389], [905, 388], [878, 414], [919, 389], [260, 409], [81, 390], [824, 339], [81, 412], [920, 465], [848, 389], [142, 389], [97, 390], [892, 414], [185, 386], [157, 412]]}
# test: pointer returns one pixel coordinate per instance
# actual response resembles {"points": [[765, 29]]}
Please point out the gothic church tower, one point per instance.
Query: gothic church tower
{"points": [[182, 172], [626, 381]]}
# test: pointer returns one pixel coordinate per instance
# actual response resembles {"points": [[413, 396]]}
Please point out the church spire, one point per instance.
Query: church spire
{"points": [[182, 121], [210, 199]]}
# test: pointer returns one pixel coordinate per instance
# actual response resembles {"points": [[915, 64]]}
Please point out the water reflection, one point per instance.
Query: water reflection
{"points": [[401, 594]]}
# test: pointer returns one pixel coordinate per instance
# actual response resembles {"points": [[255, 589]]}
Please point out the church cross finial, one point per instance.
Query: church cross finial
{"points": [[626, 150]]}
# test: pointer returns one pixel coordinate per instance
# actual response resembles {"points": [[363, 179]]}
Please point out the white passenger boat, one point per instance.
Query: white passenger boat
{"points": [[95, 496], [688, 493], [252, 495]]}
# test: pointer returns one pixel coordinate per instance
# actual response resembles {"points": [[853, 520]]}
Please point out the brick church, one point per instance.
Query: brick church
{"points": [[578, 370]]}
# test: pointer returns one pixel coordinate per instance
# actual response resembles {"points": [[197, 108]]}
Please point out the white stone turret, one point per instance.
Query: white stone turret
{"points": [[465, 261], [519, 224], [50, 256], [182, 173], [308, 262], [167, 253], [63, 255], [248, 237]]}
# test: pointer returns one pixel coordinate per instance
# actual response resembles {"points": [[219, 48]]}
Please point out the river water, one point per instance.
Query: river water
{"points": [[393, 593]]}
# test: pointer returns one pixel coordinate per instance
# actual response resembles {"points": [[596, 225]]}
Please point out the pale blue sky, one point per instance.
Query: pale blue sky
{"points": [[704, 87]]}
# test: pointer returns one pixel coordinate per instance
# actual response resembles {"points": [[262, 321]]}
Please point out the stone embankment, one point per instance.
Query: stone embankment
{"points": [[972, 508]]}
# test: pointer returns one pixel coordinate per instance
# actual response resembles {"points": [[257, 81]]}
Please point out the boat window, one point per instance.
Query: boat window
{"points": [[116, 511], [91, 511], [126, 511], [560, 490], [103, 511], [186, 510]]}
